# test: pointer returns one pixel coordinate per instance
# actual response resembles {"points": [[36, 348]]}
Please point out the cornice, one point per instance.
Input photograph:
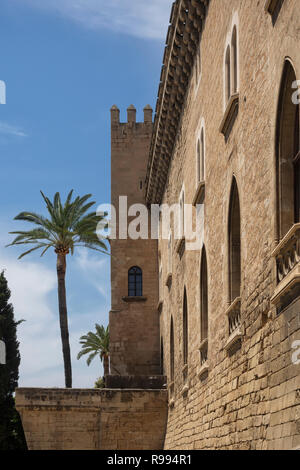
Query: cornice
{"points": [[186, 25]]}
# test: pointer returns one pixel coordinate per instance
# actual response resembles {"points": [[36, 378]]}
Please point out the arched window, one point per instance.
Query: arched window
{"points": [[231, 63], [234, 61], [135, 282], [227, 74], [172, 352], [204, 297], [234, 238], [185, 329], [288, 154]]}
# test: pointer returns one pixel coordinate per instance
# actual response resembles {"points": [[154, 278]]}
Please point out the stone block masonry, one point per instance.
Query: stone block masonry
{"points": [[56, 419]]}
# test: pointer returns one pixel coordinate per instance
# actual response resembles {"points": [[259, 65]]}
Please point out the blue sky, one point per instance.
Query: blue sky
{"points": [[65, 63]]}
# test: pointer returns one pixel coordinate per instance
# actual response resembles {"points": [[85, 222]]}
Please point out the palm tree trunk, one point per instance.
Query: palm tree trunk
{"points": [[63, 317], [106, 365]]}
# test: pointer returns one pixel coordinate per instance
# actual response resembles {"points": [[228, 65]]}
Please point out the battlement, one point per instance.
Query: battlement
{"points": [[131, 115]]}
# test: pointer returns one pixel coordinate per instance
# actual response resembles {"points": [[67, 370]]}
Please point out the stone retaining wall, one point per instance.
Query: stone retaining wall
{"points": [[60, 419]]}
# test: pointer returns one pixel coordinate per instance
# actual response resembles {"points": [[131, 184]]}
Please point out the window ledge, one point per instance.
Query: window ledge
{"points": [[234, 316], [172, 403], [203, 349], [180, 246], [160, 306], [235, 304], [200, 194], [289, 283], [203, 344], [292, 233], [287, 258], [129, 299], [203, 369], [169, 280], [233, 339], [230, 115]]}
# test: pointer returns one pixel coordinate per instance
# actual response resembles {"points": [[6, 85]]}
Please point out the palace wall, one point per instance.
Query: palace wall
{"points": [[250, 399]]}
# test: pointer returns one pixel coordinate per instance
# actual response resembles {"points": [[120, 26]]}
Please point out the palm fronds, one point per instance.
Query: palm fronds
{"points": [[68, 225]]}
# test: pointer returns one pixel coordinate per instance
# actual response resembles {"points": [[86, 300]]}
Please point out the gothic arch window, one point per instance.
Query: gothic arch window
{"points": [[135, 282], [231, 62], [288, 154], [204, 296], [234, 248], [185, 328], [172, 352]]}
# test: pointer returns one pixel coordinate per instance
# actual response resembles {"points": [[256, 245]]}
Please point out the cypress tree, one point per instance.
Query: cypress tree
{"points": [[11, 432]]}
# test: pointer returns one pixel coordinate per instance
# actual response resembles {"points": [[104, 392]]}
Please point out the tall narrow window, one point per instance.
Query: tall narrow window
{"points": [[234, 238], [231, 67], [185, 329], [234, 61], [172, 352], [227, 74], [288, 154], [135, 282], [204, 297]]}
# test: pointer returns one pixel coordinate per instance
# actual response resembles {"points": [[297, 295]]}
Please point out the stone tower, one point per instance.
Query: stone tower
{"points": [[134, 319]]}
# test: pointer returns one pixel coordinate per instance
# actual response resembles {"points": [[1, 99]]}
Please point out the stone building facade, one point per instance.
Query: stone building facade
{"points": [[134, 320], [217, 323], [224, 318]]}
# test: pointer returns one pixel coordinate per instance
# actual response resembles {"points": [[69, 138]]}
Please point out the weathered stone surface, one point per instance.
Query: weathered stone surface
{"points": [[142, 382], [56, 419], [248, 400]]}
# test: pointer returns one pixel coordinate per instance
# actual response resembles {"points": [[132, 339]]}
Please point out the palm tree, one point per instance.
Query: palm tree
{"points": [[68, 226], [96, 344]]}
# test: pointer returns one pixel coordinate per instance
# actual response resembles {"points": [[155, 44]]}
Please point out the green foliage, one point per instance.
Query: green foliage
{"points": [[100, 383], [68, 226], [95, 344], [11, 433]]}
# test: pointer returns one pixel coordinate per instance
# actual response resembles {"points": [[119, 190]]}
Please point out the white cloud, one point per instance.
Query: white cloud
{"points": [[142, 18], [33, 286], [30, 285], [95, 268], [7, 129]]}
